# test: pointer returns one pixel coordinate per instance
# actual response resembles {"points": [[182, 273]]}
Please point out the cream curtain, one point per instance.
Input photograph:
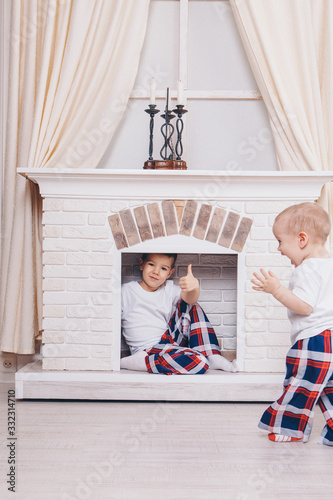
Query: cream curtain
{"points": [[289, 44], [70, 69]]}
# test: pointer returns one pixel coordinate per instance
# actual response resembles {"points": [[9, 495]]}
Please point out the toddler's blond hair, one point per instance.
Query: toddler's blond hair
{"points": [[308, 217]]}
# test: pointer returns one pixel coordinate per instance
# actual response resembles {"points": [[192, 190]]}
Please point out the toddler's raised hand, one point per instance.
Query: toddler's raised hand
{"points": [[189, 283], [266, 282]]}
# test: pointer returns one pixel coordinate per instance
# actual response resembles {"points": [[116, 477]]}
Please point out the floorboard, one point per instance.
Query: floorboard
{"points": [[118, 450]]}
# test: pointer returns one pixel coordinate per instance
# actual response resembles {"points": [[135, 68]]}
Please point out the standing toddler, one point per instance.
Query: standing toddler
{"points": [[301, 231]]}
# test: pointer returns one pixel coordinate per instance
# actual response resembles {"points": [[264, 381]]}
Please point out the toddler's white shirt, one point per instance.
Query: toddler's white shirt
{"points": [[312, 281], [145, 315]]}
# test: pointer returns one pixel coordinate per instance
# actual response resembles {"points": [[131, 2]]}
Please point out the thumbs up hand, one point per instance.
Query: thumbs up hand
{"points": [[190, 287]]}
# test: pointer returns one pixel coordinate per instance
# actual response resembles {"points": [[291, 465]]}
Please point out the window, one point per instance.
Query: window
{"points": [[227, 126]]}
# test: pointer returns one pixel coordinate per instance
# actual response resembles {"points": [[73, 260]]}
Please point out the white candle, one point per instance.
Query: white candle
{"points": [[152, 91], [180, 92]]}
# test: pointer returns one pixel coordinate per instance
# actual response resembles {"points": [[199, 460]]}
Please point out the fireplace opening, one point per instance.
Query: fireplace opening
{"points": [[217, 275]]}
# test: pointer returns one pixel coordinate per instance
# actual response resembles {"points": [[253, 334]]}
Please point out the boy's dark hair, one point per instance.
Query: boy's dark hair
{"points": [[144, 257]]}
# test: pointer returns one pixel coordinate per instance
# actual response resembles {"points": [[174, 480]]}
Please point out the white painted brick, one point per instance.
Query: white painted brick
{"points": [[273, 247], [64, 219], [85, 206], [266, 260], [94, 259], [265, 207], [89, 338], [86, 232], [89, 364], [65, 245], [66, 272], [257, 299], [261, 233], [65, 298], [56, 258], [260, 220], [51, 231], [255, 352], [52, 205], [101, 298], [267, 339], [269, 312], [67, 324], [101, 246], [256, 325], [137, 203], [91, 285], [216, 284], [211, 296], [89, 312], [281, 326], [278, 339], [229, 319], [118, 205], [256, 339], [101, 325], [54, 285], [256, 246], [53, 364], [236, 207], [101, 351], [265, 365], [101, 272], [54, 311], [53, 337], [277, 352], [230, 296], [97, 219], [66, 351], [271, 219]]}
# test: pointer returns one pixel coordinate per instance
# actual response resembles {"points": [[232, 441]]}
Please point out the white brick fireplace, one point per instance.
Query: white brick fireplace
{"points": [[96, 223]]}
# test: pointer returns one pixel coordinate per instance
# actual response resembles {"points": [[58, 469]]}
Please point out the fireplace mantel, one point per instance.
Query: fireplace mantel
{"points": [[219, 185]]}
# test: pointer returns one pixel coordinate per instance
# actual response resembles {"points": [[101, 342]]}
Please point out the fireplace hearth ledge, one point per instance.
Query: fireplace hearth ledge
{"points": [[34, 383]]}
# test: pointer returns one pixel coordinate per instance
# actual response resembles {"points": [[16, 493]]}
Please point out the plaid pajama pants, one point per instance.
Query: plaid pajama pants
{"points": [[185, 344], [309, 379]]}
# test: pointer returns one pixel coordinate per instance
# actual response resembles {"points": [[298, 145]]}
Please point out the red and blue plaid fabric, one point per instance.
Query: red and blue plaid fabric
{"points": [[184, 346], [309, 379]]}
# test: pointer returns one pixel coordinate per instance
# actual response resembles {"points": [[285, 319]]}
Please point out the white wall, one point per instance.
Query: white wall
{"points": [[197, 41]]}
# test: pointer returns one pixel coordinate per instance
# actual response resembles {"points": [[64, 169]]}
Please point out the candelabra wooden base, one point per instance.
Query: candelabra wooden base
{"points": [[165, 165]]}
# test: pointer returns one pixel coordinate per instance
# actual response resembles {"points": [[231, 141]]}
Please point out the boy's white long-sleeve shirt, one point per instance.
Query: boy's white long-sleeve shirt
{"points": [[145, 315], [312, 282]]}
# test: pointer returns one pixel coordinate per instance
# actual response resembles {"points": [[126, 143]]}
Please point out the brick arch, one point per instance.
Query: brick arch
{"points": [[186, 217]]}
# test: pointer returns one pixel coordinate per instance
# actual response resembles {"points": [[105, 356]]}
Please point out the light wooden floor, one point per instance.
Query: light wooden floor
{"points": [[161, 451]]}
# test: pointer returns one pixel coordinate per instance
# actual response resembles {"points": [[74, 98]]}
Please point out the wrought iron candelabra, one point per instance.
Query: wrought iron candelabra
{"points": [[171, 156]]}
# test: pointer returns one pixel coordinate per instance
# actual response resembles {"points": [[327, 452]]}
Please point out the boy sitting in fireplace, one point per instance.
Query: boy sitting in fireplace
{"points": [[165, 329]]}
